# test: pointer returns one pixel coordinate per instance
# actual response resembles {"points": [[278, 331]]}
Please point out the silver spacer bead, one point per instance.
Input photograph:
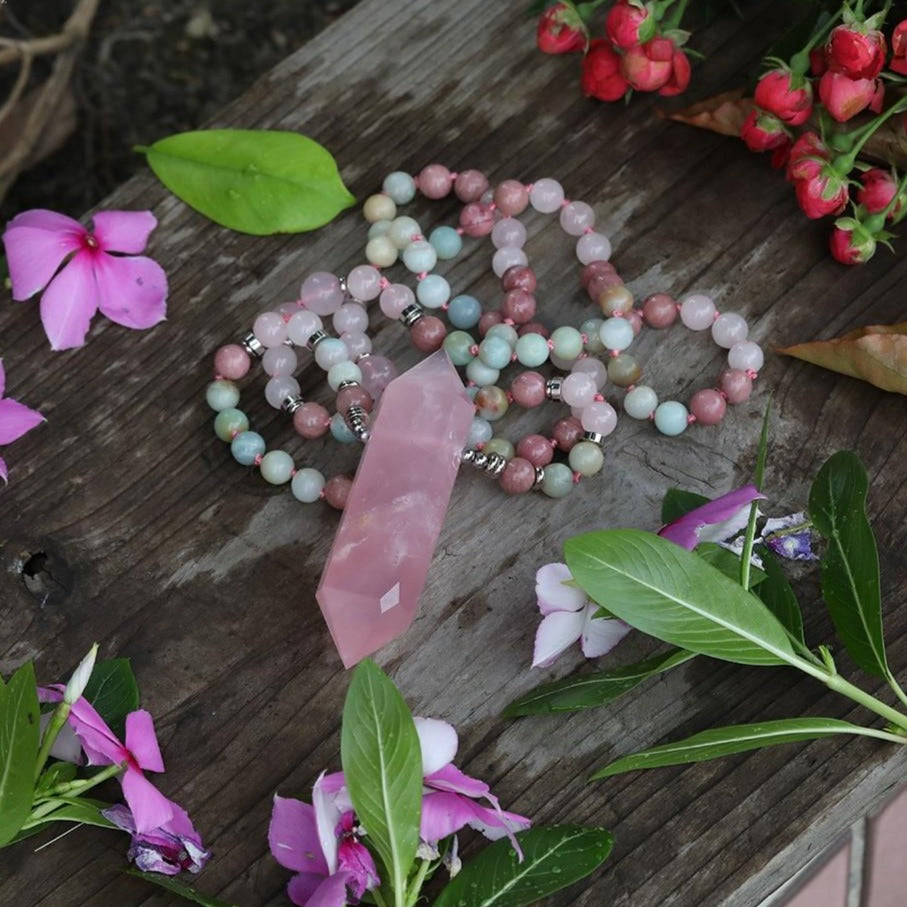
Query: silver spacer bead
{"points": [[492, 463], [411, 314], [496, 464], [553, 388], [316, 338], [594, 437], [343, 288], [539, 477], [348, 383], [291, 403], [252, 345], [357, 419]]}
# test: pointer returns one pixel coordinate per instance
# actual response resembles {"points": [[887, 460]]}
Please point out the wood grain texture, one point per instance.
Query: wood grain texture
{"points": [[165, 551]]}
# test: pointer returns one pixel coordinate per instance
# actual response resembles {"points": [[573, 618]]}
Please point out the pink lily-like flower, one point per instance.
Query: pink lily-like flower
{"points": [[129, 289], [569, 615], [715, 521], [15, 420]]}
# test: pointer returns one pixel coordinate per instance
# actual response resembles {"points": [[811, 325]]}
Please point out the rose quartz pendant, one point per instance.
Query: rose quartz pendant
{"points": [[369, 591]]}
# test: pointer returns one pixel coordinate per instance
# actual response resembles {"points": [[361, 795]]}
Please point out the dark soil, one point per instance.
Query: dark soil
{"points": [[149, 69]]}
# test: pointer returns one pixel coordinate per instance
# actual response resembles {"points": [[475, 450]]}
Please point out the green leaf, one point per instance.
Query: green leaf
{"points": [[677, 503], [253, 181], [553, 859], [56, 773], [180, 888], [382, 762], [672, 594], [778, 596], [19, 739], [850, 565], [590, 690], [727, 562], [724, 741], [81, 810], [113, 691]]}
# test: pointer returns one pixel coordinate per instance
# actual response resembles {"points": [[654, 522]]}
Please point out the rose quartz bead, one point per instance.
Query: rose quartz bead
{"points": [[635, 319], [232, 362], [528, 389], [519, 306], [590, 365], [311, 420], [511, 197], [377, 373], [353, 396], [697, 311], [337, 490], [270, 329], [507, 258], [287, 310], [395, 298], [363, 282], [578, 389], [321, 293], [536, 449], [477, 219], [435, 181], [708, 406], [596, 269], [546, 195], [568, 432], [593, 247], [735, 384], [535, 327], [576, 218], [600, 417], [279, 360], [302, 325], [522, 278], [470, 185], [508, 232], [489, 319], [428, 334], [350, 318], [659, 310], [358, 344], [518, 476], [600, 283]]}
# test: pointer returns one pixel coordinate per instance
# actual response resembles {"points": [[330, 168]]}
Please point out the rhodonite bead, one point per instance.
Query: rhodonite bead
{"points": [[518, 476], [489, 319], [567, 432], [536, 449], [477, 219], [311, 420], [470, 185], [511, 198], [428, 334], [232, 362], [519, 277], [598, 268], [353, 396], [519, 306], [435, 181], [337, 490], [708, 406], [528, 389], [735, 384]]}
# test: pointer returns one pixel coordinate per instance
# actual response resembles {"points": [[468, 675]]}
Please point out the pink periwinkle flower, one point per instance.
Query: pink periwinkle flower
{"points": [[715, 521], [568, 616], [15, 420], [129, 289]]}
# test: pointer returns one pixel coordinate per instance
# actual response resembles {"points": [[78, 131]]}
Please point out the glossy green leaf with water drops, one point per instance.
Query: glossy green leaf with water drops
{"points": [[19, 739], [250, 180]]}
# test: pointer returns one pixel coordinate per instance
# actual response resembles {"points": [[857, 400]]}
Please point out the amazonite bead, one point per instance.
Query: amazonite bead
{"points": [[340, 431], [330, 351], [246, 447], [624, 370], [480, 432], [558, 480], [381, 252], [222, 394], [591, 328], [481, 374], [671, 418], [458, 345], [379, 228], [277, 467], [500, 446], [586, 458], [419, 256], [506, 331], [495, 352], [446, 242], [616, 333], [402, 231], [492, 403], [567, 343], [464, 311], [343, 371], [379, 207], [400, 186], [532, 350], [640, 402], [307, 485], [230, 422], [433, 291]]}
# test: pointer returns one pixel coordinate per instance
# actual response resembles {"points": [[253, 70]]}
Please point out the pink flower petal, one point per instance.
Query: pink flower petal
{"points": [[36, 244], [329, 893], [52, 221], [723, 513], [553, 594], [123, 231], [601, 634], [452, 780], [141, 741], [131, 291], [16, 419], [327, 816], [438, 741], [302, 886], [100, 745], [69, 303], [293, 837], [150, 808], [443, 814], [556, 633], [354, 859]]}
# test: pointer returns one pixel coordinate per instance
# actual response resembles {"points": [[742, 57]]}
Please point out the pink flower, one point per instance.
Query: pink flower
{"points": [[15, 420], [850, 242], [845, 97], [825, 193], [680, 75], [763, 131], [807, 157], [878, 188], [899, 48], [715, 521], [648, 67], [629, 23], [779, 93], [130, 290], [601, 77], [561, 30], [569, 616], [856, 52]]}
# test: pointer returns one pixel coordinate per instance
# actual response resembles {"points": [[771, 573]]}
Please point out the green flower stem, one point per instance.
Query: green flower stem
{"points": [[845, 162], [376, 894], [799, 62], [74, 789], [61, 713], [415, 887], [898, 690]]}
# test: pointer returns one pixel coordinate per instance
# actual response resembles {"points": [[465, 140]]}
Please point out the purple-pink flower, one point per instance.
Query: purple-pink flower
{"points": [[128, 288], [15, 420], [714, 521]]}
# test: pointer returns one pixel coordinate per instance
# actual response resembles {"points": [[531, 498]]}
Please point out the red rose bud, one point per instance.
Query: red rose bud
{"points": [[878, 189], [899, 48], [854, 53], [851, 243], [780, 156], [822, 195], [561, 30], [647, 67], [601, 76], [845, 97], [629, 23], [680, 75], [776, 93], [763, 131], [807, 157], [818, 62]]}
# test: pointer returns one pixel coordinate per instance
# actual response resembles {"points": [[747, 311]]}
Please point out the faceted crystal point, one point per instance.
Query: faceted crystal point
{"points": [[369, 591]]}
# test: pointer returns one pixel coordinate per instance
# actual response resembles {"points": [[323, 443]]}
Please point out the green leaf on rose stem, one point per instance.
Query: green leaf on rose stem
{"points": [[850, 565], [55, 773], [19, 741], [727, 562], [553, 859], [672, 594], [252, 180], [677, 503], [382, 762], [180, 888], [590, 690], [113, 691], [778, 596], [724, 741]]}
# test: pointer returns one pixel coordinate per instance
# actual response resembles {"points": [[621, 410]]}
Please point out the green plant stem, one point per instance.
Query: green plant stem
{"points": [[416, 885], [376, 894], [72, 789], [898, 690], [58, 719], [845, 162]]}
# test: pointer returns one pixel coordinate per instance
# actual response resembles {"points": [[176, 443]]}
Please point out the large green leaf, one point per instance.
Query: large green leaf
{"points": [[553, 859], [670, 593], [113, 691], [253, 181], [382, 762], [727, 562], [778, 596], [850, 565], [590, 690], [19, 740], [724, 741], [180, 888]]}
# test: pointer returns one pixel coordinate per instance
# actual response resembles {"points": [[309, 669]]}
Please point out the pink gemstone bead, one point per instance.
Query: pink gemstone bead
{"points": [[708, 406], [600, 417], [697, 311], [590, 365], [659, 310], [353, 396], [477, 219], [598, 283], [596, 269], [337, 490], [508, 232], [279, 360], [358, 344], [287, 310], [350, 318], [470, 185], [435, 181], [363, 282], [395, 298], [528, 389], [518, 476], [270, 329], [635, 318], [578, 389], [522, 278], [568, 432], [546, 195], [311, 420], [232, 362], [511, 198], [535, 327], [377, 373], [428, 334], [736, 385], [321, 293], [536, 449], [576, 218], [519, 306], [507, 258], [489, 319]]}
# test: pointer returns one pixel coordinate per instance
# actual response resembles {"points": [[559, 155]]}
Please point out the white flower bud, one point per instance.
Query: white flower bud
{"points": [[80, 677]]}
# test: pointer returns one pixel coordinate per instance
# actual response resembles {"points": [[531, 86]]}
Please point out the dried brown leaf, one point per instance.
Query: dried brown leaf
{"points": [[723, 113]]}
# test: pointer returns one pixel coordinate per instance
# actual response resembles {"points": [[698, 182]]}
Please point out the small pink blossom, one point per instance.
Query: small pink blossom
{"points": [[129, 289], [15, 420]]}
